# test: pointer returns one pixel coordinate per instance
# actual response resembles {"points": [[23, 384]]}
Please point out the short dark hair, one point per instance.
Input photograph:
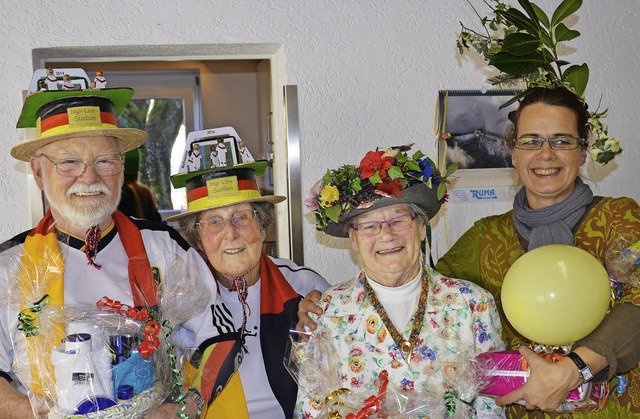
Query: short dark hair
{"points": [[557, 96]]}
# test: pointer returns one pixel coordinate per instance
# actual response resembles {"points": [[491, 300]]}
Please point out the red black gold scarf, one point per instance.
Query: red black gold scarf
{"points": [[42, 272]]}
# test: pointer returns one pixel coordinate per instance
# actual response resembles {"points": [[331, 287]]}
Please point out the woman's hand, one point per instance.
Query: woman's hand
{"points": [[548, 383], [306, 306]]}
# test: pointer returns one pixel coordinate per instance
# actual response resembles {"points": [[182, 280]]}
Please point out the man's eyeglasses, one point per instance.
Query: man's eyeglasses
{"points": [[373, 228], [68, 167], [561, 142], [239, 219]]}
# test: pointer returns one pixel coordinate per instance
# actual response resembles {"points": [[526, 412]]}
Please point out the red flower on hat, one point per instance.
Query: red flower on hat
{"points": [[391, 187], [374, 162]]}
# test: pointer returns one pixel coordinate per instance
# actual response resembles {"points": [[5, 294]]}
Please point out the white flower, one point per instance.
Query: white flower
{"points": [[612, 144]]}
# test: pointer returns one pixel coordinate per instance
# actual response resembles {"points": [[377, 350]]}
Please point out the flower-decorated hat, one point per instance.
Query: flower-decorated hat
{"points": [[383, 177], [523, 46], [221, 187], [61, 114]]}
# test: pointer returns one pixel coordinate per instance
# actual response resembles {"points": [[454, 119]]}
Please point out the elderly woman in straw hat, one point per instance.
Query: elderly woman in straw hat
{"points": [[397, 314], [227, 220]]}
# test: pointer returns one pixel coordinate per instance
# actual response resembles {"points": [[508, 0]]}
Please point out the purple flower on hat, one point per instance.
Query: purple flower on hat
{"points": [[314, 192], [426, 170]]}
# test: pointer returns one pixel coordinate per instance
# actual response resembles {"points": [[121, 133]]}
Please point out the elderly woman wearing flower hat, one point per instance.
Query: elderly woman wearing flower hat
{"points": [[397, 314], [227, 220]]}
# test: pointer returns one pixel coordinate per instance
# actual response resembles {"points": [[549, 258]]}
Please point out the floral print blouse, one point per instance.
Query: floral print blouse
{"points": [[461, 320]]}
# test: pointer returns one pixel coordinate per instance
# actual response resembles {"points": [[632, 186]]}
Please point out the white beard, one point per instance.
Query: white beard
{"points": [[88, 214]]}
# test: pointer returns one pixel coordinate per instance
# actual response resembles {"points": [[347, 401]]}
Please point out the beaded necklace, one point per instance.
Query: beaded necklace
{"points": [[405, 346]]}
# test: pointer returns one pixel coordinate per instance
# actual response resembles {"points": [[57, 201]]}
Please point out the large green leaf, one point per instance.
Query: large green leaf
{"points": [[542, 16], [512, 64], [546, 40], [566, 9], [578, 77], [564, 34], [518, 19], [520, 43], [526, 5]]}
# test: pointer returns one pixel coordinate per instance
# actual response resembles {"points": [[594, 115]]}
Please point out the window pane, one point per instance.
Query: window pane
{"points": [[163, 120]]}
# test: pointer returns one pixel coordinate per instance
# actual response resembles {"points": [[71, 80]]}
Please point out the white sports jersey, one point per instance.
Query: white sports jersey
{"points": [[170, 257]]}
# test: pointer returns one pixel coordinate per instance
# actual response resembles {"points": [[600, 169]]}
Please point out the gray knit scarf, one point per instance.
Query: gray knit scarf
{"points": [[553, 224]]}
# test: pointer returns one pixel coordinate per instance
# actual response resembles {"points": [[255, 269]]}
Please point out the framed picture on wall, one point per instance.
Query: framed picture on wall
{"points": [[473, 128]]}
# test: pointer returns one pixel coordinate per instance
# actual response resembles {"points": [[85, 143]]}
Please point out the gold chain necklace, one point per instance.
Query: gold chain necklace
{"points": [[405, 346]]}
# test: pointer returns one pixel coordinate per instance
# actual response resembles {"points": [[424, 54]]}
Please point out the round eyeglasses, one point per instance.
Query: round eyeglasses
{"points": [[373, 228], [239, 219], [68, 167], [561, 142]]}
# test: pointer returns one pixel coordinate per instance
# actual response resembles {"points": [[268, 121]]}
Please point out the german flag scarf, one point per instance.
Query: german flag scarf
{"points": [[278, 312], [42, 273]]}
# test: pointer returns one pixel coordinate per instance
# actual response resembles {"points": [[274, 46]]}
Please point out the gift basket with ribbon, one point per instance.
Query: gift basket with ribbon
{"points": [[312, 361], [110, 359]]}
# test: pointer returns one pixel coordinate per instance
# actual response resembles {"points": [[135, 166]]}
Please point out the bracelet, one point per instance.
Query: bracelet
{"points": [[194, 395]]}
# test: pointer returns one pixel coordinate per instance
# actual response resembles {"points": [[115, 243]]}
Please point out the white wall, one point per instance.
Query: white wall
{"points": [[368, 74]]}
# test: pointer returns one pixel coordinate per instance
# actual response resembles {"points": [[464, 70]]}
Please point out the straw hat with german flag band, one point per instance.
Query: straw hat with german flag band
{"points": [[58, 115], [221, 187]]}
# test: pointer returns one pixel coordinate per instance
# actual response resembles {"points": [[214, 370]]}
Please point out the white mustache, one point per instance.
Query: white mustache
{"points": [[82, 189]]}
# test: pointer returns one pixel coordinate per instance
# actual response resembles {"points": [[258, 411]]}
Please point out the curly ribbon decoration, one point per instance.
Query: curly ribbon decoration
{"points": [[151, 343], [373, 404], [26, 321]]}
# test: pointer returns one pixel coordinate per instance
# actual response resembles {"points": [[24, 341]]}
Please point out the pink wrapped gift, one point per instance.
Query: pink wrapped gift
{"points": [[502, 372]]}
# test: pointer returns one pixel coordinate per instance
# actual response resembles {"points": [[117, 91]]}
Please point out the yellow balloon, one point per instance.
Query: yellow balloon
{"points": [[556, 294]]}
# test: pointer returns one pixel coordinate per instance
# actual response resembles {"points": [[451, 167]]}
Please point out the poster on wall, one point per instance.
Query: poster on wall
{"points": [[472, 129]]}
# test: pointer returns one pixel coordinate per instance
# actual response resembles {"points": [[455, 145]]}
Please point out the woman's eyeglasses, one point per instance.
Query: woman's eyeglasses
{"points": [[373, 228], [239, 219], [68, 167], [561, 142]]}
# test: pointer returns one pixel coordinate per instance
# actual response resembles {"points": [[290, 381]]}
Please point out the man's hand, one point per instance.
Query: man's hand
{"points": [[548, 383], [306, 306]]}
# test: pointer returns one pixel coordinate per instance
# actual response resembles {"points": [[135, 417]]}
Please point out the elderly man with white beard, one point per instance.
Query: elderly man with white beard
{"points": [[77, 160]]}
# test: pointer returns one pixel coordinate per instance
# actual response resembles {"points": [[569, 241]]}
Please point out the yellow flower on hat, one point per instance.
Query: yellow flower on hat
{"points": [[328, 196]]}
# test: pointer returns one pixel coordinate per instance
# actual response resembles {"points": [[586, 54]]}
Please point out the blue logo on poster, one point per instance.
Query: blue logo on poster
{"points": [[483, 193]]}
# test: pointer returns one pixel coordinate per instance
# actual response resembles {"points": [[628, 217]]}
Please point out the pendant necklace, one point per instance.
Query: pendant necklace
{"points": [[405, 346]]}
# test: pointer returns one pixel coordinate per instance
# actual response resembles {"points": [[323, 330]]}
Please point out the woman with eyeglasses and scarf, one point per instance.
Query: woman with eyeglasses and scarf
{"points": [[228, 220], [549, 145]]}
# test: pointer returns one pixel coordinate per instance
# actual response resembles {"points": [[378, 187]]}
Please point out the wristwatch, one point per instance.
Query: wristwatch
{"points": [[193, 394], [583, 368]]}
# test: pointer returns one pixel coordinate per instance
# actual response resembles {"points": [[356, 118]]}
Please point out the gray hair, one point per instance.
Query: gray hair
{"points": [[189, 229]]}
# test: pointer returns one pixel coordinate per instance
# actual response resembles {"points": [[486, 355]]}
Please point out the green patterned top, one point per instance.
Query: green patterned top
{"points": [[487, 250]]}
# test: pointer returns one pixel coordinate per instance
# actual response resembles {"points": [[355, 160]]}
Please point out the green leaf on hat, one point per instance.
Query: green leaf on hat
{"points": [[442, 190], [395, 172], [517, 18], [375, 179], [542, 16], [578, 77], [512, 64], [564, 34], [520, 44], [564, 10], [333, 212]]}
